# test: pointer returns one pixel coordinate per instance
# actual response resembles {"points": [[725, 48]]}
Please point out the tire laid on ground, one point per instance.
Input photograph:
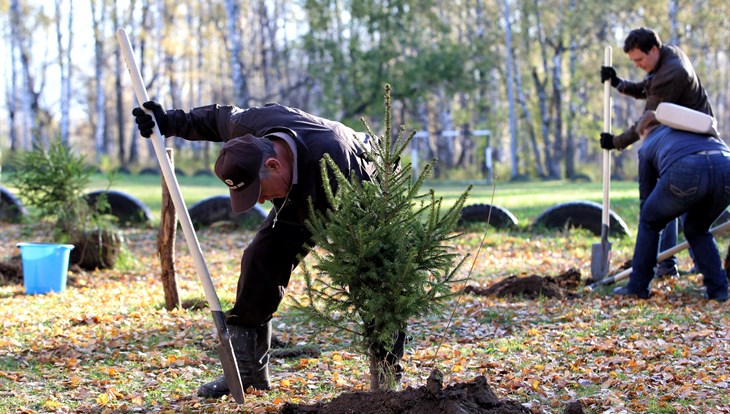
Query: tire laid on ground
{"points": [[203, 173], [500, 217], [582, 214], [11, 209], [149, 171], [218, 208], [125, 207]]}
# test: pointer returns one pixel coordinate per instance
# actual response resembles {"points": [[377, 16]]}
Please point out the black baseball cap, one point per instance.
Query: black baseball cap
{"points": [[238, 165]]}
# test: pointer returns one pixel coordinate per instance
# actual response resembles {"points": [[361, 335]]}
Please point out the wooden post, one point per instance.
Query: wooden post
{"points": [[166, 244]]}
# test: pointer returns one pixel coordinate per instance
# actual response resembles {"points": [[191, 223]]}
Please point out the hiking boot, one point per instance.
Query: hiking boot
{"points": [[664, 270], [625, 291], [251, 348], [718, 298]]}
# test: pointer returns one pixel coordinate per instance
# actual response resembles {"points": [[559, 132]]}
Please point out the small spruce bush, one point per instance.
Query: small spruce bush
{"points": [[383, 256]]}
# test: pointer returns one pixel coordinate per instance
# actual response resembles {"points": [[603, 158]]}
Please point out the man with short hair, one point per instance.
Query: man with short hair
{"points": [[670, 78], [270, 153]]}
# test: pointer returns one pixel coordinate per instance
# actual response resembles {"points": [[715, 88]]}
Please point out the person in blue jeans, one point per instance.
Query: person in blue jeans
{"points": [[670, 77], [680, 173]]}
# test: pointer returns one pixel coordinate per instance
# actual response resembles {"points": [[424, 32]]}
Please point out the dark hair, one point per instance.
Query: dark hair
{"points": [[643, 39]]}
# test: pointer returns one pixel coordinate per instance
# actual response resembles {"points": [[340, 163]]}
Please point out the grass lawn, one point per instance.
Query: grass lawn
{"points": [[106, 344], [526, 200]]}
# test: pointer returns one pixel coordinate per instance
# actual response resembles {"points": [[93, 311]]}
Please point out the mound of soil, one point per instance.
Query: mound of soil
{"points": [[11, 272], [474, 397], [533, 286]]}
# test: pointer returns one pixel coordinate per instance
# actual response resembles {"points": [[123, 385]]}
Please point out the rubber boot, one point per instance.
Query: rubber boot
{"points": [[251, 348]]}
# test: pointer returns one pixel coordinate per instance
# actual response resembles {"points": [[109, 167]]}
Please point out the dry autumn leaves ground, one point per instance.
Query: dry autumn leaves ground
{"points": [[107, 345]]}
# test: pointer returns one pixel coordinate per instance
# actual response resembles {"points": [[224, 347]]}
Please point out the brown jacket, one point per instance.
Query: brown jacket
{"points": [[673, 80]]}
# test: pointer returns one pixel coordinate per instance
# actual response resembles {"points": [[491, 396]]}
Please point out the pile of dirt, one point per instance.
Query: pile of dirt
{"points": [[474, 397], [561, 286], [11, 272]]}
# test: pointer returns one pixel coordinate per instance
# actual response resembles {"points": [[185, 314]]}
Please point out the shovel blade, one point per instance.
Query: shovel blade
{"points": [[600, 258], [228, 358]]}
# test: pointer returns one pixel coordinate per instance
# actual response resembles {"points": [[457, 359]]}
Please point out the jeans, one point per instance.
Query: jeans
{"points": [[698, 185], [667, 240]]}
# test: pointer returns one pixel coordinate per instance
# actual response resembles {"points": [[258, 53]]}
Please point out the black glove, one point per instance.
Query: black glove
{"points": [[146, 123], [608, 72], [607, 141]]}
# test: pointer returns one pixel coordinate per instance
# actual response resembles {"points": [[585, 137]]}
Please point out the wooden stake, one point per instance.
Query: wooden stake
{"points": [[166, 244]]}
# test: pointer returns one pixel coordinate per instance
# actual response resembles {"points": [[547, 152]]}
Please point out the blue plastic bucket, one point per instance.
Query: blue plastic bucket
{"points": [[45, 266]]}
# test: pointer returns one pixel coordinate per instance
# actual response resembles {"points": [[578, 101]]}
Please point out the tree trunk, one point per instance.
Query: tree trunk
{"points": [[554, 170], [121, 112], [514, 156], [673, 32], [240, 86], [134, 137], [28, 125], [65, 66], [98, 20], [166, 245], [572, 109], [15, 36], [527, 119]]}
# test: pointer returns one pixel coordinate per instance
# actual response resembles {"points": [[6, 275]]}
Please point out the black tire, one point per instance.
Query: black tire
{"points": [[581, 214], [203, 173], [125, 207], [500, 217], [11, 209], [149, 171], [217, 208]]}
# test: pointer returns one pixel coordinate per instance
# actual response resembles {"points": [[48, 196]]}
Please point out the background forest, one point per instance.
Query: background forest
{"points": [[526, 71]]}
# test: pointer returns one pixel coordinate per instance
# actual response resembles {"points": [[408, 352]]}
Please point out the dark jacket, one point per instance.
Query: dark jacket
{"points": [[282, 238], [673, 80], [314, 137]]}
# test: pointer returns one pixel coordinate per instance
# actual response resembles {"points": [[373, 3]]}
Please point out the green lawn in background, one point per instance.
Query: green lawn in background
{"points": [[526, 200]]}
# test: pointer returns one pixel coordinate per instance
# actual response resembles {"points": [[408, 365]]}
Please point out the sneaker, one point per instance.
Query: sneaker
{"points": [[624, 291], [663, 271]]}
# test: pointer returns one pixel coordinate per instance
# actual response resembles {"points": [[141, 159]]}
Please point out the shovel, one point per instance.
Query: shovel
{"points": [[601, 252], [225, 349], [661, 256]]}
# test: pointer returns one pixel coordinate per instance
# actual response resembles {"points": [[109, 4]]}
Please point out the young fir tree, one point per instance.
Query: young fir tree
{"points": [[384, 256]]}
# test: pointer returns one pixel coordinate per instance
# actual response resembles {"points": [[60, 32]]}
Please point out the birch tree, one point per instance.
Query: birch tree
{"points": [[98, 16], [65, 63]]}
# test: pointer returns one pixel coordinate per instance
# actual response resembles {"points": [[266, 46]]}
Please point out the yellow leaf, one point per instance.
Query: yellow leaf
{"points": [[284, 383], [52, 405], [102, 399], [457, 368]]}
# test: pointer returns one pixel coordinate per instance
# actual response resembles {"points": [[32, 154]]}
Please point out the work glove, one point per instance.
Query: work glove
{"points": [[608, 72], [145, 122], [607, 141]]}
